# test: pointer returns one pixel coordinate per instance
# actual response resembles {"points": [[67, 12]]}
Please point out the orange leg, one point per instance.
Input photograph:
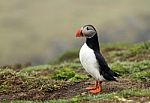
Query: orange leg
{"points": [[98, 88]]}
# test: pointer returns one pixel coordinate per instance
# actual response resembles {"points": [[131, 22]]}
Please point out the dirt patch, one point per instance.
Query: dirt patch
{"points": [[69, 91], [105, 50], [139, 57]]}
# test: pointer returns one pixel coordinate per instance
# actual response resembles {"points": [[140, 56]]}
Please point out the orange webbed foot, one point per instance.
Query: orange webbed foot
{"points": [[95, 91]]}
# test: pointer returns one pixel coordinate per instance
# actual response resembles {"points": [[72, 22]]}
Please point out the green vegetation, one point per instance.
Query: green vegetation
{"points": [[5, 75], [112, 96], [66, 56], [144, 75], [130, 67], [63, 74], [134, 92], [34, 70], [140, 48], [68, 75], [55, 82], [124, 94], [11, 81]]}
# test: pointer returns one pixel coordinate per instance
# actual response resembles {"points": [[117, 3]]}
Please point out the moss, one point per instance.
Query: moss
{"points": [[34, 68], [34, 71], [12, 82], [112, 96], [130, 67], [134, 92], [45, 85], [68, 74], [45, 79], [78, 78], [134, 52], [144, 76], [118, 67], [72, 65], [6, 78], [7, 73], [63, 74], [94, 98], [140, 48]]}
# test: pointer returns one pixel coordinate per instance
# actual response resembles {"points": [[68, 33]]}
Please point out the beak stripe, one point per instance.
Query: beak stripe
{"points": [[81, 33]]}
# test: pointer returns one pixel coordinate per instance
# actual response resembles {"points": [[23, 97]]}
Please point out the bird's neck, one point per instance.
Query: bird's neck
{"points": [[93, 43]]}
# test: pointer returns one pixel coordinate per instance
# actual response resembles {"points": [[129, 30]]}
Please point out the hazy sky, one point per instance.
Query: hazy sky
{"points": [[39, 30]]}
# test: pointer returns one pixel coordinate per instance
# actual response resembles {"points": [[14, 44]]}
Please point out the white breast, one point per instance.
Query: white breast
{"points": [[89, 62]]}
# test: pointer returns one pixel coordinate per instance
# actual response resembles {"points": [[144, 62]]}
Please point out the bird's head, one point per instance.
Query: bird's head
{"points": [[87, 31]]}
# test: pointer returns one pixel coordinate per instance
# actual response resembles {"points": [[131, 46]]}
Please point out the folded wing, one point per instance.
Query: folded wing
{"points": [[104, 69]]}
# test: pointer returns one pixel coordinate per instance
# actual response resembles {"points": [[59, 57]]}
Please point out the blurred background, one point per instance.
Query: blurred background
{"points": [[38, 31]]}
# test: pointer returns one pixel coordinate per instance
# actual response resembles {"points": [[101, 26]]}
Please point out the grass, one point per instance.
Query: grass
{"points": [[127, 52], [68, 74], [122, 94], [134, 92], [12, 82], [33, 70], [142, 76], [37, 82], [110, 96], [63, 74], [140, 48], [130, 67], [66, 56]]}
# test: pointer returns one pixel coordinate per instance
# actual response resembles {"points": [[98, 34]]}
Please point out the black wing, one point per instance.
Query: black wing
{"points": [[104, 69]]}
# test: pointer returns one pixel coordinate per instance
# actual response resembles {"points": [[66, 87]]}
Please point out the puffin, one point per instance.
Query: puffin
{"points": [[92, 60]]}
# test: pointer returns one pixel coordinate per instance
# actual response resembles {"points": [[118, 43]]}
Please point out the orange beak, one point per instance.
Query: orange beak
{"points": [[78, 33]]}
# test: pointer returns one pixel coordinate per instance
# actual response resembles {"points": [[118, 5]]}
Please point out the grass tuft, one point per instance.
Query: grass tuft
{"points": [[143, 76], [130, 67], [68, 74], [63, 74], [140, 48]]}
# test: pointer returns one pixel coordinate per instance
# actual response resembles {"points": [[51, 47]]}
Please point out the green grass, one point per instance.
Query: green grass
{"points": [[128, 67], [134, 92], [66, 56], [49, 78], [68, 74], [63, 74], [33, 69], [110, 96], [140, 48], [127, 52], [142, 76], [31, 78], [6, 75]]}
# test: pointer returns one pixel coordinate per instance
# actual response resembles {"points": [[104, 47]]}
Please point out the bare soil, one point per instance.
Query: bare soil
{"points": [[69, 91]]}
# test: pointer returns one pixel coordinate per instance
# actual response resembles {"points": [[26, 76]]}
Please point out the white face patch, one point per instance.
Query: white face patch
{"points": [[88, 31]]}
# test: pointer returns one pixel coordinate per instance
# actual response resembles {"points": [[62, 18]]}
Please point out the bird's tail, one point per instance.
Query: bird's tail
{"points": [[116, 74]]}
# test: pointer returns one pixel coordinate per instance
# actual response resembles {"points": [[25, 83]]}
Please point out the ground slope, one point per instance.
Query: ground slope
{"points": [[65, 80]]}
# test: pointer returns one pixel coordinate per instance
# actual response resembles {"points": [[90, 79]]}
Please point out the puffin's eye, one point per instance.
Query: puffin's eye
{"points": [[87, 28]]}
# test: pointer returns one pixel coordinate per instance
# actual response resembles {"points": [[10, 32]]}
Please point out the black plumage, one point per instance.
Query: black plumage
{"points": [[104, 69]]}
